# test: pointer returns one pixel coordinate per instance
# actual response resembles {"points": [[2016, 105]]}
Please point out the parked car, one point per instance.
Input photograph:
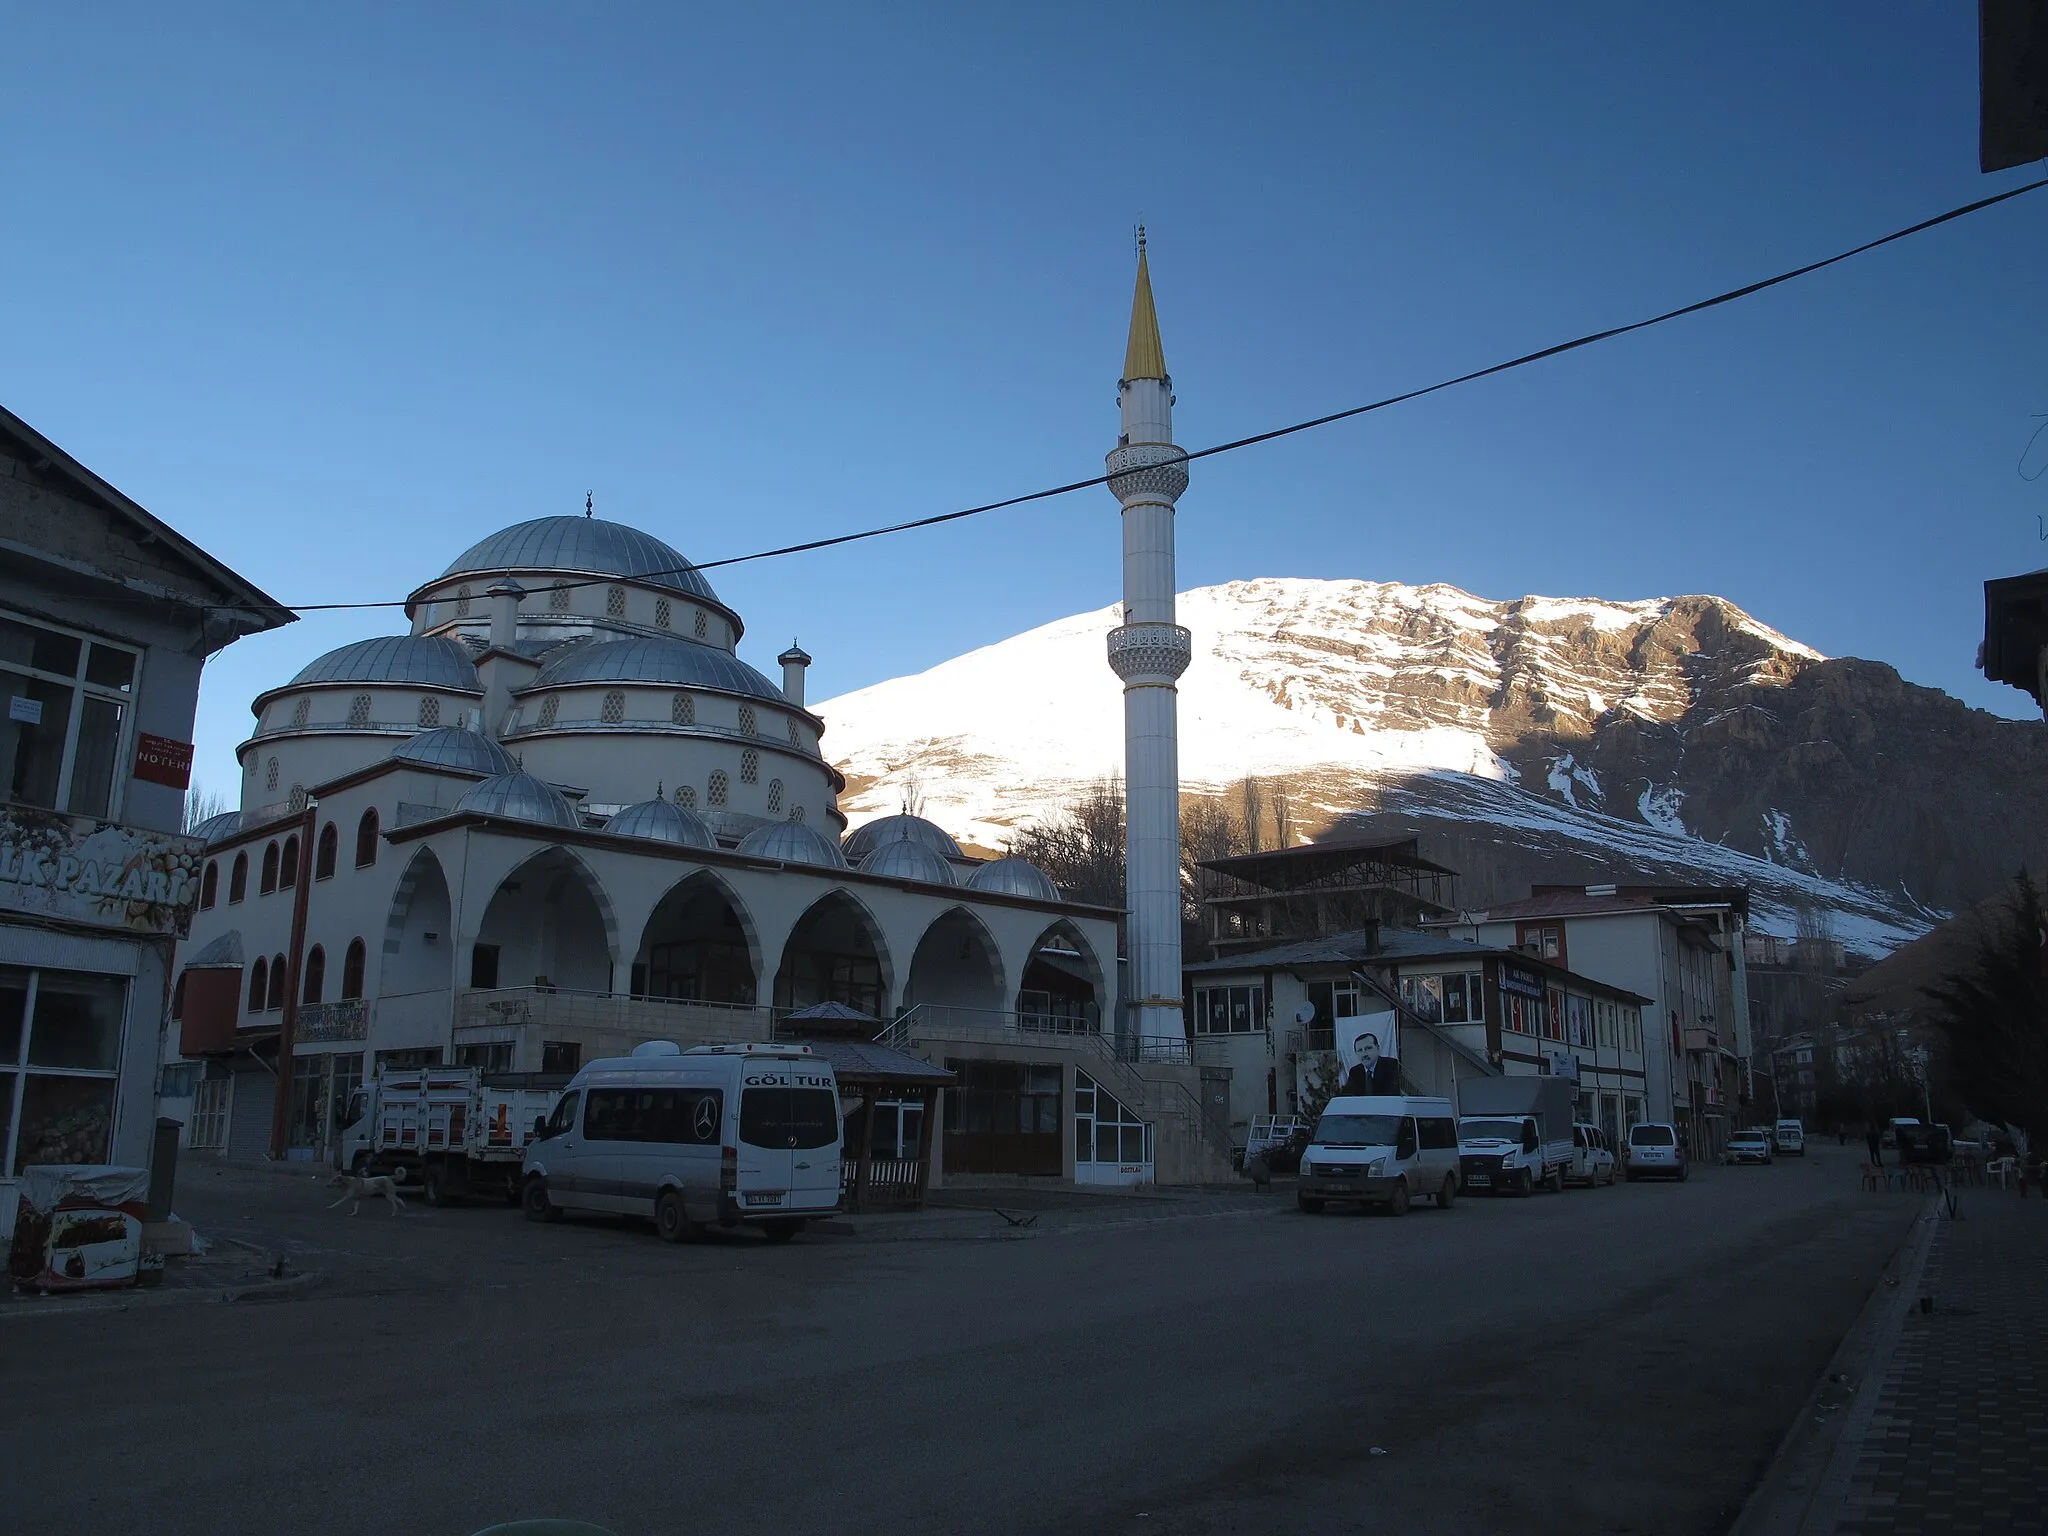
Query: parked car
{"points": [[1789, 1137], [1748, 1147], [1381, 1150], [1653, 1150], [1592, 1158]]}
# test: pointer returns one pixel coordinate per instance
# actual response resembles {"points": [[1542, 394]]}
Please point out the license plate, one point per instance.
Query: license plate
{"points": [[764, 1199], [1479, 1180]]}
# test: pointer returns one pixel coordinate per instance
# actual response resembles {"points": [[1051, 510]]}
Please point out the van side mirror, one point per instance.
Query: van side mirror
{"points": [[540, 1127], [1529, 1141]]}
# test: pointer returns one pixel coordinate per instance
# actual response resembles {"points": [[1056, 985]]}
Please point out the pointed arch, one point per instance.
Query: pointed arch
{"points": [[1063, 987], [419, 937], [700, 943], [958, 964], [550, 919], [835, 953]]}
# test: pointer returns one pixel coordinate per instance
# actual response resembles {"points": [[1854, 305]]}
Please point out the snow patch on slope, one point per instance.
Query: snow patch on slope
{"points": [[1659, 808]]}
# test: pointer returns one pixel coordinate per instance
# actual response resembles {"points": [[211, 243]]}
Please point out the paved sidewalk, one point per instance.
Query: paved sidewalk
{"points": [[1958, 1441]]}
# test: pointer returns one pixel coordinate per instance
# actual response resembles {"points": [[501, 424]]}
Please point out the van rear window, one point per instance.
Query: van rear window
{"points": [[784, 1119], [1650, 1136]]}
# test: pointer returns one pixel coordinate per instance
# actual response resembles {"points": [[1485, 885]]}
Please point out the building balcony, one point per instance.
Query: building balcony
{"points": [[599, 1023]]}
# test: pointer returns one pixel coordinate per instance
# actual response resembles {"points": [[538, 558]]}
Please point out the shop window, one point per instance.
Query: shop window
{"points": [[259, 984], [268, 882], [1464, 998], [366, 839], [1105, 1129], [716, 794], [1423, 996], [288, 864], [682, 709], [326, 851], [750, 766], [430, 712], [352, 961], [275, 998], [316, 974], [615, 602], [238, 878], [60, 1045], [61, 736], [209, 884]]}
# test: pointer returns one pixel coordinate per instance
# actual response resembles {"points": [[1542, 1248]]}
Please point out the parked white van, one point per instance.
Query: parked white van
{"points": [[1381, 1150], [732, 1134]]}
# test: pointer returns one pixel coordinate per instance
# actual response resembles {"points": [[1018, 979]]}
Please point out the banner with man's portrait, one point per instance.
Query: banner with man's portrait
{"points": [[1369, 1051]]}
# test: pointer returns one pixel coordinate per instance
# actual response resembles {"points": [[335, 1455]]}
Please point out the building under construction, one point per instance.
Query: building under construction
{"points": [[1252, 900]]}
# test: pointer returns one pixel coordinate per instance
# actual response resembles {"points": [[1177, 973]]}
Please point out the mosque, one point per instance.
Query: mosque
{"points": [[560, 816]]}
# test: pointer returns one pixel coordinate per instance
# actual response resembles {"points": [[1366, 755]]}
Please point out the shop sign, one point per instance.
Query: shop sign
{"points": [[1521, 982], [317, 1022], [160, 760], [78, 870]]}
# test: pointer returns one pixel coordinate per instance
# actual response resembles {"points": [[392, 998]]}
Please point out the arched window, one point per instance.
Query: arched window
{"points": [[352, 969], [277, 979], [615, 602], [662, 613], [796, 737], [750, 766], [178, 998], [238, 878], [749, 721], [209, 884], [614, 710], [558, 597], [299, 712], [268, 882], [327, 851], [686, 796], [430, 712], [270, 774], [259, 975], [775, 797], [682, 709], [359, 712], [288, 864], [548, 708], [796, 813], [702, 625], [316, 973], [716, 794], [366, 839]]}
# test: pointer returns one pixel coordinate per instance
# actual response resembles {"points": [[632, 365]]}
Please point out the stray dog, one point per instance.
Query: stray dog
{"points": [[354, 1191]]}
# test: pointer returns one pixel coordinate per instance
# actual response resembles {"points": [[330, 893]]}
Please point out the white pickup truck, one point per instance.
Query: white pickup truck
{"points": [[451, 1130], [1515, 1133]]}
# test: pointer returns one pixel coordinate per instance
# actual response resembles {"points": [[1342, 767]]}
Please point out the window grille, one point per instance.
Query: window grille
{"points": [[359, 711], [548, 708], [796, 737], [750, 767], [615, 602], [682, 709], [558, 597], [662, 612], [703, 624], [717, 792], [614, 709], [430, 712], [796, 813], [749, 721], [686, 797], [299, 712], [775, 797], [462, 602], [270, 774]]}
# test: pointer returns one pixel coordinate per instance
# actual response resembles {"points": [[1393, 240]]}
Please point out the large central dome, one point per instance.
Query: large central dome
{"points": [[584, 546]]}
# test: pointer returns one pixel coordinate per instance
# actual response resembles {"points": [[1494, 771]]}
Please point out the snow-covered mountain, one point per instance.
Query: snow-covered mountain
{"points": [[1543, 738]]}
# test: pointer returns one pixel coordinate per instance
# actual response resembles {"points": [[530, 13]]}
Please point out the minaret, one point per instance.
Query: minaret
{"points": [[1149, 652]]}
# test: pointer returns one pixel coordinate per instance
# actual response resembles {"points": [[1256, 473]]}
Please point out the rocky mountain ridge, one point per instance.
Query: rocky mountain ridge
{"points": [[1675, 737]]}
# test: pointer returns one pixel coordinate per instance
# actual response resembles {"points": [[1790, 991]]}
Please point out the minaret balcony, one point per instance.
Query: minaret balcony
{"points": [[1150, 653], [1148, 471]]}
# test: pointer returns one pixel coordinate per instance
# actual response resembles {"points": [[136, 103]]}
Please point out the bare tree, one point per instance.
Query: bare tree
{"points": [[1283, 821], [911, 800], [202, 805], [1251, 795], [1081, 846]]}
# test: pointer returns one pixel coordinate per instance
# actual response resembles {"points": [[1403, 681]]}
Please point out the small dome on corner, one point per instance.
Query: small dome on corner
{"points": [[869, 836], [520, 797], [659, 821], [793, 842], [1014, 877], [902, 859]]}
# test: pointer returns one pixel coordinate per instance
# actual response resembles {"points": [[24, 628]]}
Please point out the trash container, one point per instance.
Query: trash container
{"points": [[79, 1227]]}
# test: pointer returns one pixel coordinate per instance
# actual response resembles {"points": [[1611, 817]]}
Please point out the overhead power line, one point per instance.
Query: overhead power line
{"points": [[1590, 339]]}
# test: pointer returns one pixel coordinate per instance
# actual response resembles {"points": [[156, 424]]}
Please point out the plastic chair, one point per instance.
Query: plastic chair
{"points": [[2000, 1171]]}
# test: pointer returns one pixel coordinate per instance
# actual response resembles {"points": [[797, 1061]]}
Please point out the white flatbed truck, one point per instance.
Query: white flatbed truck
{"points": [[448, 1131]]}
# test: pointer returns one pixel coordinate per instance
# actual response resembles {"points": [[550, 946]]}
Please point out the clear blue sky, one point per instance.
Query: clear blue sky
{"points": [[338, 290]]}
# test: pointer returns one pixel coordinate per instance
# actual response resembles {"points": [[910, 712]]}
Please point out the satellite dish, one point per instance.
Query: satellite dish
{"points": [[1305, 1013]]}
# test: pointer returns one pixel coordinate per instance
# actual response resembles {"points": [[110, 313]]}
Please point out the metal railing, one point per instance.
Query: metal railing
{"points": [[685, 1021]]}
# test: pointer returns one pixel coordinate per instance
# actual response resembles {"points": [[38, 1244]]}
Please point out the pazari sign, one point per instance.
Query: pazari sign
{"points": [[75, 869]]}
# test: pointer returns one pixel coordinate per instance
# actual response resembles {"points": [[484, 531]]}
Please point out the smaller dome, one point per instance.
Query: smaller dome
{"points": [[656, 659], [431, 660], [903, 859], [225, 950], [451, 746], [793, 842], [865, 839], [662, 822], [214, 828], [519, 797], [1014, 877]]}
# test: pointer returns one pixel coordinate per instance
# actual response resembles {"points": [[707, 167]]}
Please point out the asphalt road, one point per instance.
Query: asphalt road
{"points": [[1619, 1360]]}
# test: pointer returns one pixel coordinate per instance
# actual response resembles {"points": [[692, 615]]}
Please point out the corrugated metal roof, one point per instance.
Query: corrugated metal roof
{"points": [[855, 1061]]}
